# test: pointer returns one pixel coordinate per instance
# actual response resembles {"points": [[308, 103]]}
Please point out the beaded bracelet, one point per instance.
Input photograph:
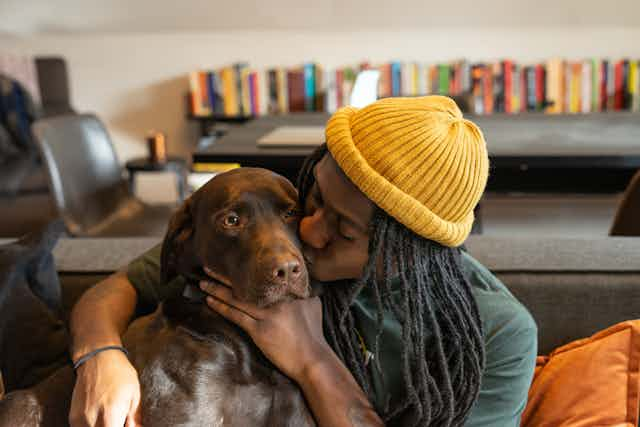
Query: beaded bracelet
{"points": [[92, 353]]}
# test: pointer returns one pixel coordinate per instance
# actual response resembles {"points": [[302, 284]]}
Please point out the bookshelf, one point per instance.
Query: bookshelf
{"points": [[554, 85]]}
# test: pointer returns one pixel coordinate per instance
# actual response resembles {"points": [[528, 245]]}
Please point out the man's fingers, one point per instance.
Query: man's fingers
{"points": [[229, 312], [224, 294], [134, 417], [114, 417]]}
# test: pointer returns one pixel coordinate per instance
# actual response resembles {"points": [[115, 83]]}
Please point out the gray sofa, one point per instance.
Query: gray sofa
{"points": [[572, 287]]}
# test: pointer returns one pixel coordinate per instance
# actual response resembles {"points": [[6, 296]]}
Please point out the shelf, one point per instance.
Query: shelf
{"points": [[220, 118]]}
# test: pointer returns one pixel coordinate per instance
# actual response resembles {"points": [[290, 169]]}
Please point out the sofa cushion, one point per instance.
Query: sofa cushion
{"points": [[589, 382]]}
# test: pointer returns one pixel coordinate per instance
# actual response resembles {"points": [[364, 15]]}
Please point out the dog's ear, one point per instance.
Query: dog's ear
{"points": [[177, 246]]}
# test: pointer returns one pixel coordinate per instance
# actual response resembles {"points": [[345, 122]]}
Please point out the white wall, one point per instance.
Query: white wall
{"points": [[136, 82]]}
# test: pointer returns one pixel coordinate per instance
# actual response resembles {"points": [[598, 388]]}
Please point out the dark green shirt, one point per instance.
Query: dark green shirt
{"points": [[510, 336]]}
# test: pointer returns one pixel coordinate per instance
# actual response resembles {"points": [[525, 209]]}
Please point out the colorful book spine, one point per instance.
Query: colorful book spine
{"points": [[230, 89], [575, 82], [618, 93], [554, 86], [611, 85], [444, 79], [211, 91], [194, 93], [415, 80], [604, 85], [296, 89], [204, 94], [489, 100], [498, 88], [331, 97], [541, 88], [530, 82], [524, 91], [348, 79], [507, 72], [405, 79], [263, 92], [309, 87], [283, 91], [254, 96], [466, 76], [477, 88], [586, 81], [596, 78], [385, 87], [245, 92], [239, 73], [634, 85], [434, 83], [339, 89], [320, 88], [272, 79], [423, 79], [396, 79]]}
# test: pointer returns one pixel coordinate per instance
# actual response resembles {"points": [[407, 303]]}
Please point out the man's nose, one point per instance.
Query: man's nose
{"points": [[314, 230]]}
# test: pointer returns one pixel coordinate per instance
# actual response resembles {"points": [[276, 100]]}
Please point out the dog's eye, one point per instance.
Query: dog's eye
{"points": [[231, 220]]}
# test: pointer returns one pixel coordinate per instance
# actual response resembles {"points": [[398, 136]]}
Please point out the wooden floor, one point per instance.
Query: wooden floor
{"points": [[572, 215]]}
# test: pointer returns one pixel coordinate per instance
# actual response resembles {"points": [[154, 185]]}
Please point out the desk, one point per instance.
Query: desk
{"points": [[176, 165], [529, 152]]}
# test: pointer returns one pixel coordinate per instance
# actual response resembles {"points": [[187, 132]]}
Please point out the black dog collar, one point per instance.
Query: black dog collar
{"points": [[194, 293]]}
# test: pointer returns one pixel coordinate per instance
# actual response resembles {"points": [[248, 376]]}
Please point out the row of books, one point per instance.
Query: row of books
{"points": [[555, 86]]}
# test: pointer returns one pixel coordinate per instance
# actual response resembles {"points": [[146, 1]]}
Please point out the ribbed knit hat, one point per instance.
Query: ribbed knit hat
{"points": [[416, 158]]}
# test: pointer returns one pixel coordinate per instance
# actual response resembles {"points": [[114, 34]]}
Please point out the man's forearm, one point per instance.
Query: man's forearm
{"points": [[102, 314], [335, 397]]}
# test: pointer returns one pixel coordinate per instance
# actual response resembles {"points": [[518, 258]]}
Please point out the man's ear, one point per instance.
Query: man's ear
{"points": [[177, 247]]}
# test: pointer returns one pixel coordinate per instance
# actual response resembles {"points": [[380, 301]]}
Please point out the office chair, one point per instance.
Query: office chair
{"points": [[627, 219], [86, 181]]}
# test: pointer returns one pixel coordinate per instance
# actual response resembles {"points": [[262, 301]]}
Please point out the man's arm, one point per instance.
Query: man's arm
{"points": [[335, 397], [102, 315], [107, 390]]}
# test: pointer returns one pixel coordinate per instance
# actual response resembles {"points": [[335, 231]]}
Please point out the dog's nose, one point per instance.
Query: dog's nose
{"points": [[287, 272]]}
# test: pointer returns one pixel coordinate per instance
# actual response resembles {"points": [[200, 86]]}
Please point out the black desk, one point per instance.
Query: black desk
{"points": [[530, 152]]}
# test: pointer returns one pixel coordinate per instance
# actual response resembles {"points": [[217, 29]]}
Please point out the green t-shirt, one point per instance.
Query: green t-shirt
{"points": [[510, 336]]}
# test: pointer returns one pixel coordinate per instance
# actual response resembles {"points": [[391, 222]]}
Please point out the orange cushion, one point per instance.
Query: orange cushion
{"points": [[590, 382]]}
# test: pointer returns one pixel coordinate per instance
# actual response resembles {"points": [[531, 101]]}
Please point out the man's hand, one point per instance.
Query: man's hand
{"points": [[107, 392], [289, 333]]}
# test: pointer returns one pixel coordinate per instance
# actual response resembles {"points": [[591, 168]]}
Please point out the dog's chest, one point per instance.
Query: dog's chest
{"points": [[186, 380]]}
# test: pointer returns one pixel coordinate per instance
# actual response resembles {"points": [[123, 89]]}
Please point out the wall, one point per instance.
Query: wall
{"points": [[136, 82]]}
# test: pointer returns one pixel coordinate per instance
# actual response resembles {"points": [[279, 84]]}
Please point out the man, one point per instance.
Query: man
{"points": [[411, 330]]}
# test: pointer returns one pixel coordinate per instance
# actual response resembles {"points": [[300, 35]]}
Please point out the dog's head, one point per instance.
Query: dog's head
{"points": [[241, 230]]}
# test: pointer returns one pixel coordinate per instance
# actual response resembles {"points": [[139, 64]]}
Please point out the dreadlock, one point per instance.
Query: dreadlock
{"points": [[442, 343]]}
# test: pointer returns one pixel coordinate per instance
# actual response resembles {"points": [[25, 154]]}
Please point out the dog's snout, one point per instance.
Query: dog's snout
{"points": [[287, 271]]}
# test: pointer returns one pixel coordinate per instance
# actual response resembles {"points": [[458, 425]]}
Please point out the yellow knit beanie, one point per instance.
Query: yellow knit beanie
{"points": [[416, 158]]}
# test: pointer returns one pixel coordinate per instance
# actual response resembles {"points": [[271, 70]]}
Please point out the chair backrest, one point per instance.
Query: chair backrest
{"points": [[85, 176], [53, 81], [627, 219]]}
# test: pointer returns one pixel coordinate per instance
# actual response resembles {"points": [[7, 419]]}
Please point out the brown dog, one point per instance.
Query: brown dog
{"points": [[195, 367]]}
